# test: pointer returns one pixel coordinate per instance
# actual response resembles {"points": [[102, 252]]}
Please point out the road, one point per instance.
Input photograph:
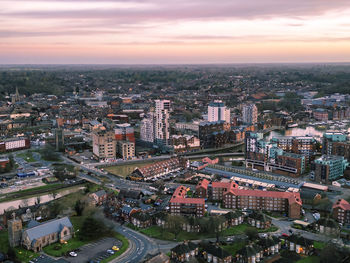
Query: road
{"points": [[140, 245]]}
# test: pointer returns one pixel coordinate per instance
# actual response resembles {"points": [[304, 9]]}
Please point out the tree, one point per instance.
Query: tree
{"points": [[11, 253], [175, 224], [93, 229], [252, 233], [79, 207]]}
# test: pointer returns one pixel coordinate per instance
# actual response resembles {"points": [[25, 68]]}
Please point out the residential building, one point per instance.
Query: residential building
{"points": [[124, 132], [126, 149], [162, 127], [289, 202], [212, 134], [214, 253], [259, 220], [59, 140], [179, 204], [103, 144], [147, 130], [202, 188], [329, 168], [159, 168], [219, 188], [299, 244], [320, 114], [305, 145], [184, 143], [217, 111], [184, 252], [341, 149], [250, 254], [329, 138], [14, 144], [141, 219], [341, 211], [250, 114], [327, 226], [99, 197]]}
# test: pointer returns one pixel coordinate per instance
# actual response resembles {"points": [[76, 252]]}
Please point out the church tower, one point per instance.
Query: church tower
{"points": [[14, 231]]}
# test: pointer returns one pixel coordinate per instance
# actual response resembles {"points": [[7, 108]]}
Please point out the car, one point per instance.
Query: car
{"points": [[285, 235], [290, 231], [115, 248], [109, 251], [73, 254]]}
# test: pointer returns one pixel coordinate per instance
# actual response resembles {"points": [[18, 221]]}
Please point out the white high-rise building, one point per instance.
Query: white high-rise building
{"points": [[217, 111], [147, 128], [162, 127], [250, 114]]}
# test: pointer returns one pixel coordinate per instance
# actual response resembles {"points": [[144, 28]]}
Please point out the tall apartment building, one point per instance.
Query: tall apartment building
{"points": [[126, 149], [305, 145], [341, 149], [250, 113], [162, 127], [329, 138], [179, 204], [147, 128], [329, 168], [103, 144], [124, 132], [217, 111], [263, 200], [341, 211]]}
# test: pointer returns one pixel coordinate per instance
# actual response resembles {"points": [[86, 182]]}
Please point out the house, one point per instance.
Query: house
{"points": [[39, 235], [259, 220], [234, 218], [141, 219], [299, 244], [216, 254], [219, 188], [270, 244], [250, 254], [160, 219], [327, 226], [128, 193], [184, 252], [127, 211], [99, 197]]}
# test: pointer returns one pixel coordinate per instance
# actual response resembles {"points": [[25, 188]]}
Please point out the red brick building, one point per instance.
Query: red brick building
{"points": [[202, 188], [263, 200], [219, 188], [341, 211]]}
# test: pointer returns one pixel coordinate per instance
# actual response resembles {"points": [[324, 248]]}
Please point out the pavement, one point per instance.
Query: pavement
{"points": [[95, 250]]}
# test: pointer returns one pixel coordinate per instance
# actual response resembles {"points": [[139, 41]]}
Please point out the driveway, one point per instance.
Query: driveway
{"points": [[94, 250]]}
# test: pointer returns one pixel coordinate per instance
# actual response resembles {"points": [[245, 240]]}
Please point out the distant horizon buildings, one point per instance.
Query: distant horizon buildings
{"points": [[217, 111], [250, 114]]}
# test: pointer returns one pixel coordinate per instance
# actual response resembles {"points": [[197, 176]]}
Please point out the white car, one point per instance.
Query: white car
{"points": [[73, 254]]}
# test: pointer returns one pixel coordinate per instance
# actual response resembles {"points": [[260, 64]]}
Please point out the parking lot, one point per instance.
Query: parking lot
{"points": [[95, 251]]}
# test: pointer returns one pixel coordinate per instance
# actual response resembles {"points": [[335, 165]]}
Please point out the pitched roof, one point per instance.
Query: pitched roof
{"points": [[204, 183], [216, 251], [250, 250], [343, 204], [100, 193], [49, 227], [184, 248]]}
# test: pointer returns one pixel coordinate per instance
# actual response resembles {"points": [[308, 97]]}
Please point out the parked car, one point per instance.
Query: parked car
{"points": [[73, 254], [110, 251]]}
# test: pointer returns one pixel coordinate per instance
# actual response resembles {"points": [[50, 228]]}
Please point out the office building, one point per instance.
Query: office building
{"points": [[217, 111], [250, 114]]}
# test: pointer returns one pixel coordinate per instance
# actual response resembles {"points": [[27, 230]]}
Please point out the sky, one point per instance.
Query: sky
{"points": [[173, 32]]}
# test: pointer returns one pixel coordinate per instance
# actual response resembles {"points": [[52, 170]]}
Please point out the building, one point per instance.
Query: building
{"points": [[126, 149], [250, 114], [291, 164], [341, 149], [99, 197], [184, 143], [184, 252], [202, 189], [39, 235], [124, 132], [329, 168], [327, 226], [59, 140], [162, 126], [320, 114], [147, 128], [180, 204], [299, 244], [212, 134], [103, 144], [214, 253], [159, 168], [341, 211], [141, 219], [329, 138], [158, 258], [259, 220], [217, 111], [289, 202], [219, 188], [14, 144], [250, 254], [305, 145]]}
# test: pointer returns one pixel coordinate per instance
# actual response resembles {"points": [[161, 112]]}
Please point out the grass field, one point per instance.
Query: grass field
{"points": [[234, 247], [124, 170], [312, 259], [27, 156]]}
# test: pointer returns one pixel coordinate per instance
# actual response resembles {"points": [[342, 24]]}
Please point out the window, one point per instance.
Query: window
{"points": [[65, 232]]}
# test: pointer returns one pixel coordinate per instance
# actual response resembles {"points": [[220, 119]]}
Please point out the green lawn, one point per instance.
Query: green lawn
{"points": [[319, 245], [159, 233], [124, 170], [23, 255], [27, 156], [234, 247], [312, 259]]}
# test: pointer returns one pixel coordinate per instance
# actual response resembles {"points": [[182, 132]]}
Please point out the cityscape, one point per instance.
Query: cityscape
{"points": [[161, 132]]}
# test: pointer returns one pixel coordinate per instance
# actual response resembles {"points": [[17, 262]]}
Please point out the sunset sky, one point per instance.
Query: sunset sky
{"points": [[177, 31]]}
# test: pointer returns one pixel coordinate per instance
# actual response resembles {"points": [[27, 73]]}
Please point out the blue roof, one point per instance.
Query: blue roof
{"points": [[46, 228]]}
